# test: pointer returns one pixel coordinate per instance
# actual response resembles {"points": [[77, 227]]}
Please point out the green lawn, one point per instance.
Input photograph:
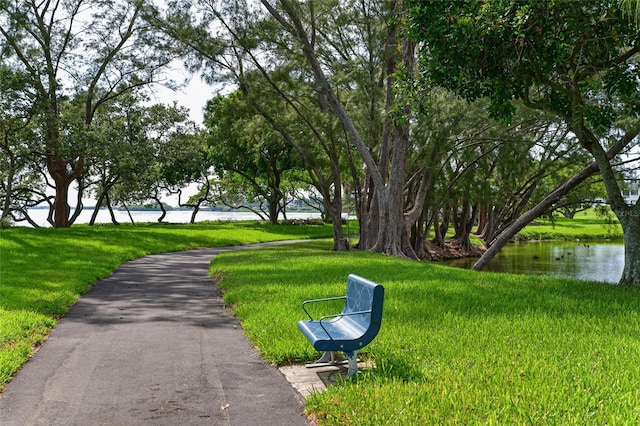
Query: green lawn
{"points": [[456, 346], [585, 226], [44, 271]]}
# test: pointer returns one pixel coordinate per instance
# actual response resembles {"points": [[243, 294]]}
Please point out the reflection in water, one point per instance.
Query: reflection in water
{"points": [[593, 261]]}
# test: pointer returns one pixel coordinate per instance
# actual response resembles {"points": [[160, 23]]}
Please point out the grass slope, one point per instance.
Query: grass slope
{"points": [[584, 226], [456, 346]]}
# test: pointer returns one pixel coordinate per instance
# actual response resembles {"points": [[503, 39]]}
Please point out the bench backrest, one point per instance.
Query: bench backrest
{"points": [[364, 295]]}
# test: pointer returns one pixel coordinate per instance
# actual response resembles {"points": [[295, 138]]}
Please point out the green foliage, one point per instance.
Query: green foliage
{"points": [[88, 52], [456, 347], [611, 224], [18, 141], [631, 8], [252, 159], [581, 198], [138, 148], [554, 55], [574, 60]]}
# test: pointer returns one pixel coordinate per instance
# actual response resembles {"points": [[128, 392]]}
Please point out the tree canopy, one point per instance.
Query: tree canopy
{"points": [[420, 116], [576, 60], [95, 50]]}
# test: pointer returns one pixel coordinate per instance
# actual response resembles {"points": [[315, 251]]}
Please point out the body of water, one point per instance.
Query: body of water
{"points": [[173, 216], [594, 261]]}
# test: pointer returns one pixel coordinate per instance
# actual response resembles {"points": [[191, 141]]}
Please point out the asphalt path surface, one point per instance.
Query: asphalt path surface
{"points": [[151, 344]]}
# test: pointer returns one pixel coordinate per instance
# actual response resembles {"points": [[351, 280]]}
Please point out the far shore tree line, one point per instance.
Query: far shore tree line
{"points": [[419, 116]]}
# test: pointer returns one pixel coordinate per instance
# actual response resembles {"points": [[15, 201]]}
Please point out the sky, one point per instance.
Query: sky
{"points": [[193, 96]]}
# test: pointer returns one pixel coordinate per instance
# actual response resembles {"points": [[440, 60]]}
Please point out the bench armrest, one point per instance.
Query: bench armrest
{"points": [[323, 318], [320, 300]]}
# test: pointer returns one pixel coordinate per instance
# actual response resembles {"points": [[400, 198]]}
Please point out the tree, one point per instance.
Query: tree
{"points": [[387, 217], [480, 169], [350, 116], [574, 60], [95, 49], [18, 178], [241, 43], [185, 161], [138, 149], [242, 143], [164, 153], [537, 151]]}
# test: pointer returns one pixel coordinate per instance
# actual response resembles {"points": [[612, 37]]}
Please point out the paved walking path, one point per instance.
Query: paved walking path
{"points": [[151, 344]]}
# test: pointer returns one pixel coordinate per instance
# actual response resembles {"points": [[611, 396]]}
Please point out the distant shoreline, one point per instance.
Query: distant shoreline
{"points": [[39, 215]]}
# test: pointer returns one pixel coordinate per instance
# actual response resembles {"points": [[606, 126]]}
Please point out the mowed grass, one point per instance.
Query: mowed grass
{"points": [[584, 226], [456, 347], [44, 271]]}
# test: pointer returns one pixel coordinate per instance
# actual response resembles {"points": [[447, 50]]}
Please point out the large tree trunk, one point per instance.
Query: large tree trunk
{"points": [[393, 235], [340, 242], [63, 178], [273, 210], [61, 208], [333, 206], [6, 204], [483, 220], [440, 228], [463, 225], [629, 216], [495, 224], [631, 229], [392, 225], [334, 209], [369, 217]]}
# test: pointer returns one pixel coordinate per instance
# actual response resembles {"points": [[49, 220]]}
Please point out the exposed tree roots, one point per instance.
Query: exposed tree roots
{"points": [[451, 250]]}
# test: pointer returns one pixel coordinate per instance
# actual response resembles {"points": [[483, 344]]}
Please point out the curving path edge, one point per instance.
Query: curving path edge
{"points": [[151, 344]]}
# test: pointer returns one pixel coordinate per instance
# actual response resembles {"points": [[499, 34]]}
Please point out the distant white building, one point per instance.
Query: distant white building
{"points": [[631, 194]]}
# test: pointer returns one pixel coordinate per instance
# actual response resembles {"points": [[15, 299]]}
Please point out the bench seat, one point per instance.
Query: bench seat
{"points": [[352, 329], [341, 334]]}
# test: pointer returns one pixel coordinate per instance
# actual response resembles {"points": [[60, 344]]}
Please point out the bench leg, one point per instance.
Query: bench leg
{"points": [[352, 356], [328, 358]]}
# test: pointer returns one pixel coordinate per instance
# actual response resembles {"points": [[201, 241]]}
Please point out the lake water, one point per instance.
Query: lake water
{"points": [[594, 261], [173, 216]]}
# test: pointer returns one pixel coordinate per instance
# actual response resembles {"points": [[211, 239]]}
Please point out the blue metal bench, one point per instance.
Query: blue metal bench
{"points": [[352, 329]]}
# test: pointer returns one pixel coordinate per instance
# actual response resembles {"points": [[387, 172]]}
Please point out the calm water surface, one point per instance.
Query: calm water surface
{"points": [[594, 261]]}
